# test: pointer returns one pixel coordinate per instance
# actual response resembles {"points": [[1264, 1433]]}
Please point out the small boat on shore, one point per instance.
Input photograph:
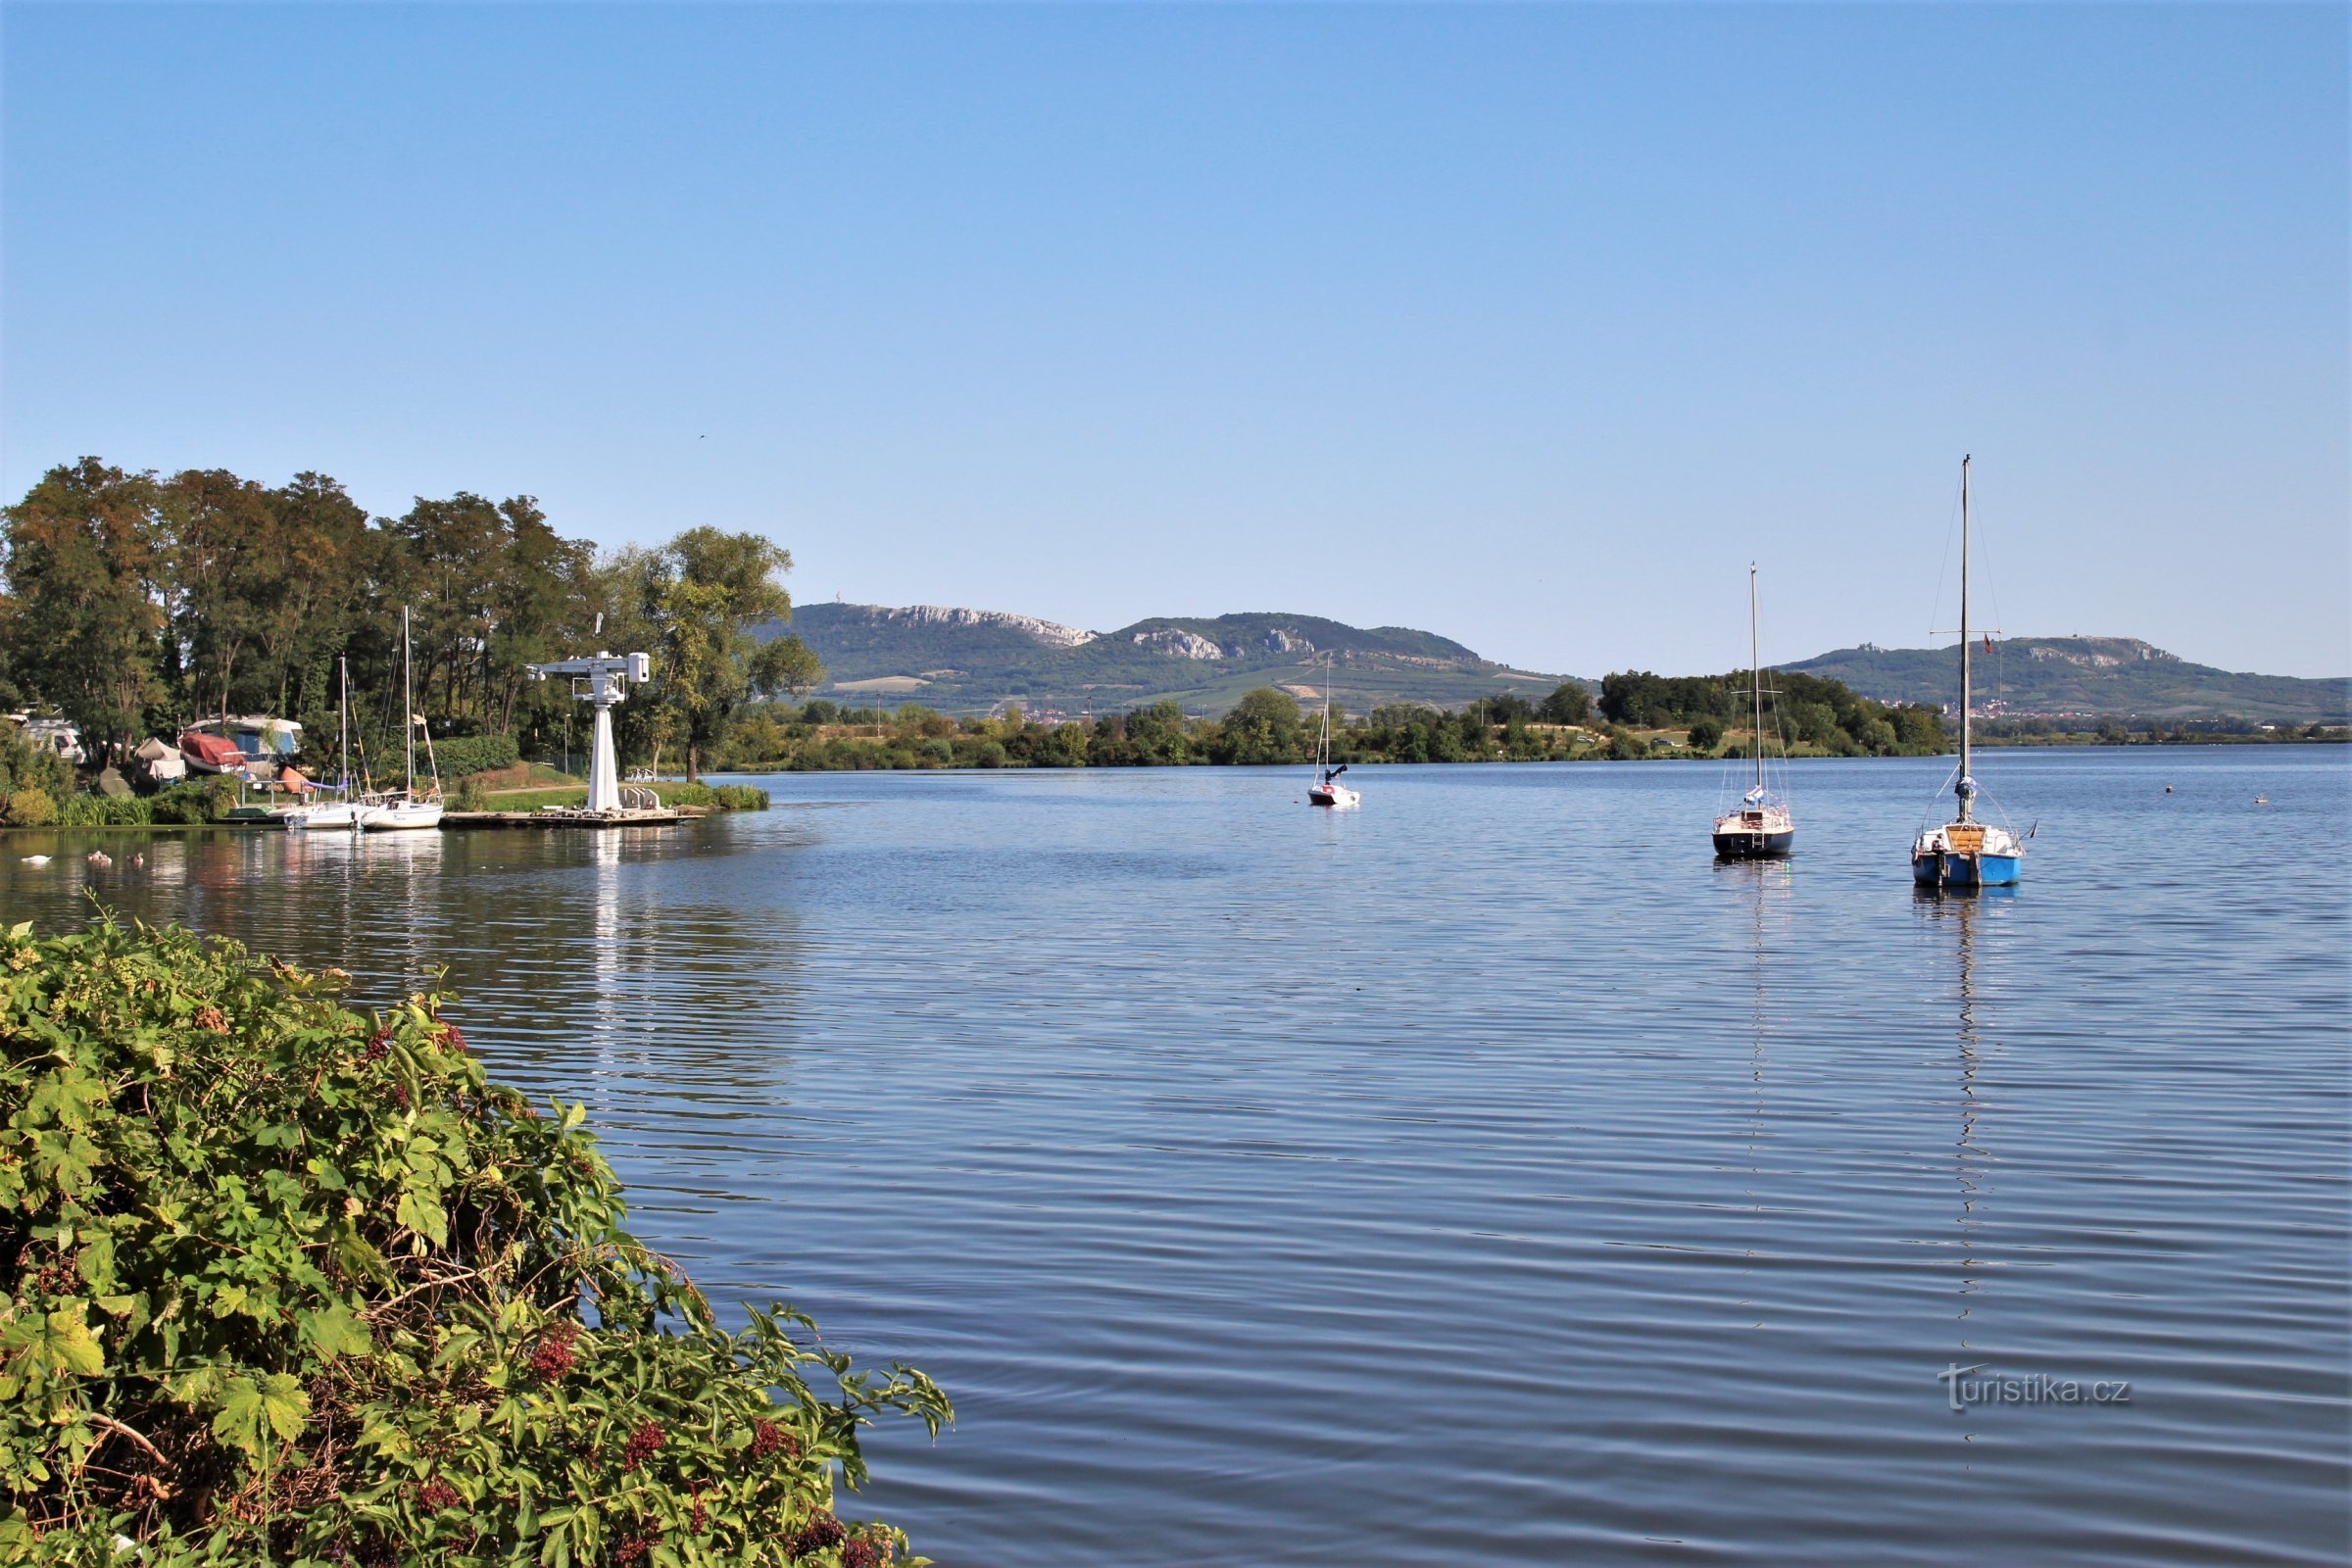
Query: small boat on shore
{"points": [[1762, 827], [1965, 853]]}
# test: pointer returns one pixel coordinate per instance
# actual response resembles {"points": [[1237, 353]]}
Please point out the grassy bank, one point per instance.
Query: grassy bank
{"points": [[718, 797], [291, 1282]]}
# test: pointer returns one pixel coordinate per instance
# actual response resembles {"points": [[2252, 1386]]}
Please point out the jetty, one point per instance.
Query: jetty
{"points": [[563, 816]]}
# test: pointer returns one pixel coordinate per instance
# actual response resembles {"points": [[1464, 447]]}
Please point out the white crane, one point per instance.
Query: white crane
{"points": [[604, 680]]}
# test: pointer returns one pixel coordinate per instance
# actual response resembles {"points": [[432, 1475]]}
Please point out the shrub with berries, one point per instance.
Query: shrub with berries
{"points": [[294, 1283]]}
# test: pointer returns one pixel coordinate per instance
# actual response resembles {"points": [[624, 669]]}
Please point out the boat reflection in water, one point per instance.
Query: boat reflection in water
{"points": [[1961, 910]]}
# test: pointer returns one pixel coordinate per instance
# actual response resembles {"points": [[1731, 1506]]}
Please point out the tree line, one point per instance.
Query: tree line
{"points": [[133, 603], [1268, 727], [1809, 711]]}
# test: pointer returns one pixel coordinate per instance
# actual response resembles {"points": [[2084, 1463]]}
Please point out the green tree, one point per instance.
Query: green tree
{"points": [[1264, 726], [1706, 734], [702, 592], [229, 562], [84, 613], [1568, 703]]}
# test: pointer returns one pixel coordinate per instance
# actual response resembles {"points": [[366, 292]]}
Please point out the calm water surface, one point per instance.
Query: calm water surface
{"points": [[1485, 1176]]}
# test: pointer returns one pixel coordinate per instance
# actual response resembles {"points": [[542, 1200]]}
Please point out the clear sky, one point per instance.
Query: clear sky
{"points": [[1529, 326]]}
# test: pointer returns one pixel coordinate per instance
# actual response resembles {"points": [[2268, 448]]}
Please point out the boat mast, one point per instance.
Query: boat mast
{"points": [[1755, 673], [1966, 789], [408, 708], [1323, 741], [343, 725]]}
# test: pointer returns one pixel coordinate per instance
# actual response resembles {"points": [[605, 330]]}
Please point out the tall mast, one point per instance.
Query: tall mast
{"points": [[408, 708], [1323, 742], [343, 725], [1967, 787], [1755, 671]]}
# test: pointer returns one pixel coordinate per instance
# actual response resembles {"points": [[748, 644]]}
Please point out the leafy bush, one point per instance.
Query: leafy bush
{"points": [[475, 754], [105, 811], [30, 807], [192, 802], [291, 1283], [724, 796], [26, 767]]}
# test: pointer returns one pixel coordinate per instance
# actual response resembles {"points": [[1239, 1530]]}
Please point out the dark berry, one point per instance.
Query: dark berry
{"points": [[552, 1354], [641, 1445], [767, 1437]]}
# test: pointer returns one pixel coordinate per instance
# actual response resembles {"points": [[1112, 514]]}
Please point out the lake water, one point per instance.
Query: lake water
{"points": [[1487, 1175]]}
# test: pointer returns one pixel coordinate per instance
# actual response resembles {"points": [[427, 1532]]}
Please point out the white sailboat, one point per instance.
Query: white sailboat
{"points": [[407, 807], [1763, 827], [1326, 789], [343, 814], [1965, 853]]}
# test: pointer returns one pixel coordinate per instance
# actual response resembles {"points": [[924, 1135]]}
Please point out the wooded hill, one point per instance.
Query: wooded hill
{"points": [[2084, 676], [970, 661]]}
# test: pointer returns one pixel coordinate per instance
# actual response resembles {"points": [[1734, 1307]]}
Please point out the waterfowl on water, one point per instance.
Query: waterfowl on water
{"points": [[99, 858], [37, 860]]}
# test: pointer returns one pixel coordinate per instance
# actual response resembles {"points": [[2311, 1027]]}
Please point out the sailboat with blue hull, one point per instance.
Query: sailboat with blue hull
{"points": [[1965, 853]]}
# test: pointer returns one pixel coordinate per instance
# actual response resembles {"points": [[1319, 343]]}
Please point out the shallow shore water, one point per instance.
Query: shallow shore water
{"points": [[1486, 1175]]}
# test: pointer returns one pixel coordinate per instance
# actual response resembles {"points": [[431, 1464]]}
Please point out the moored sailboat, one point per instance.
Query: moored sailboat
{"points": [[1763, 827], [1326, 788], [343, 813], [407, 807], [1965, 853]]}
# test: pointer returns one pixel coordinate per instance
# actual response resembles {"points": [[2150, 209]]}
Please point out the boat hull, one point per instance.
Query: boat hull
{"points": [[1754, 844], [1337, 797], [406, 814], [341, 816], [1948, 868]]}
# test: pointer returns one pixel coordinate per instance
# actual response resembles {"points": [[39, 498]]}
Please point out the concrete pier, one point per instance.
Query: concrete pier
{"points": [[666, 817]]}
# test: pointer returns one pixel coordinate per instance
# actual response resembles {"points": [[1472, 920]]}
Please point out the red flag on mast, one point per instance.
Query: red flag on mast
{"points": [[1989, 642]]}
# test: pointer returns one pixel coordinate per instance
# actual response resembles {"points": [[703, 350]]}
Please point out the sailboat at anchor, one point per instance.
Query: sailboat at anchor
{"points": [[1326, 788], [1965, 853], [1762, 828]]}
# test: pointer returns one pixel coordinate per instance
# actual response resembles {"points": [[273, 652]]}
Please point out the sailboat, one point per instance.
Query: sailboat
{"points": [[1762, 828], [1965, 853], [1326, 788], [342, 813], [405, 808]]}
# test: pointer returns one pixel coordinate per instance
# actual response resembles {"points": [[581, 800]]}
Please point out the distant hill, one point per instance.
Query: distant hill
{"points": [[964, 661], [2119, 676]]}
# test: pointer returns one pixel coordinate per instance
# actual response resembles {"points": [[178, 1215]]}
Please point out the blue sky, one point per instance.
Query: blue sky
{"points": [[1529, 326]]}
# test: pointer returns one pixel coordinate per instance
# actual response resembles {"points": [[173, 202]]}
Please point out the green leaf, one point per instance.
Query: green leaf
{"points": [[97, 1260], [336, 1332], [67, 1345], [251, 1414]]}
